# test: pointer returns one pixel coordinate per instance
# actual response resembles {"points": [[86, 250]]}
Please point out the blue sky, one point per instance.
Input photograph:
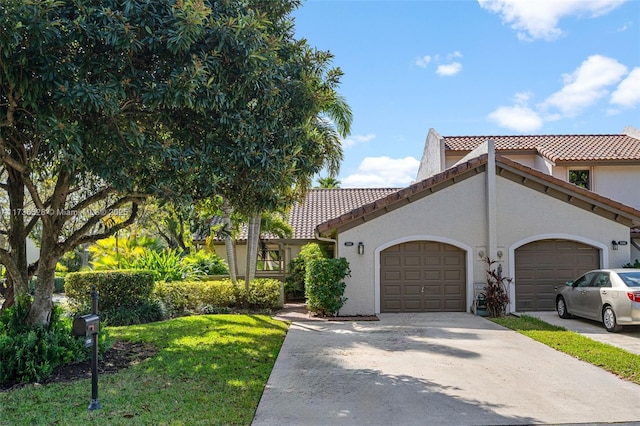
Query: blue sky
{"points": [[465, 67]]}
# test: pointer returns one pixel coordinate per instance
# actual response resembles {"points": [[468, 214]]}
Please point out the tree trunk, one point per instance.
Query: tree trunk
{"points": [[253, 237], [17, 235], [228, 242]]}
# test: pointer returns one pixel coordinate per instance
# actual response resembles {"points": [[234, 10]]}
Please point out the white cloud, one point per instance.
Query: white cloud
{"points": [[539, 19], [383, 172], [586, 85], [518, 117], [449, 69], [357, 139], [628, 92], [424, 61]]}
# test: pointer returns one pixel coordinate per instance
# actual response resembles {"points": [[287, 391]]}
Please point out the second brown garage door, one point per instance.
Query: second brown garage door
{"points": [[543, 264], [422, 276]]}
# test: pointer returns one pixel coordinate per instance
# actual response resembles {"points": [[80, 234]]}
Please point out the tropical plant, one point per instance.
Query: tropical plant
{"points": [[495, 292], [325, 285], [328, 182]]}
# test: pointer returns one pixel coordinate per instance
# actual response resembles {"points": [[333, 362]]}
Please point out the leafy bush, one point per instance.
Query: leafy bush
{"points": [[203, 297], [264, 293], [144, 312], [166, 265], [635, 265], [202, 263], [115, 288], [495, 292], [325, 285], [31, 354], [124, 297], [295, 283], [191, 297]]}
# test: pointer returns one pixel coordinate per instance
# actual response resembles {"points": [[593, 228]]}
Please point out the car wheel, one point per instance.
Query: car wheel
{"points": [[561, 307], [609, 320]]}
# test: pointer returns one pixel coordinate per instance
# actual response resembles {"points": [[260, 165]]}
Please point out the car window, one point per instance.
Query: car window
{"points": [[602, 280], [631, 279], [584, 280]]}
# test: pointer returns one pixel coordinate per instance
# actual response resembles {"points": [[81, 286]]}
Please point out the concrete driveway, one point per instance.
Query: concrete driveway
{"points": [[434, 369]]}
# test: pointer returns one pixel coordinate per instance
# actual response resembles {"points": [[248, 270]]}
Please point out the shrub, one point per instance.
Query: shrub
{"points": [[325, 285], [189, 297], [295, 282], [264, 293], [124, 297], [115, 288], [144, 312], [204, 297], [635, 265], [202, 263], [495, 292], [31, 353], [166, 265]]}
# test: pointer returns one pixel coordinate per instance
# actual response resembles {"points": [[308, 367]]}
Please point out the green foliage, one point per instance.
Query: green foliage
{"points": [[203, 262], [30, 354], [115, 288], [181, 298], [166, 265], [264, 293], [634, 265], [295, 282], [496, 292], [141, 313], [120, 252], [325, 285]]}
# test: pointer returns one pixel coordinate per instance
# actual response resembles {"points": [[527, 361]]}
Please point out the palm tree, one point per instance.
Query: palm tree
{"points": [[325, 129], [329, 182]]}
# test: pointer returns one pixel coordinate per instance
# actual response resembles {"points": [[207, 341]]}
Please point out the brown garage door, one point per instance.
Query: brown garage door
{"points": [[422, 276], [543, 264]]}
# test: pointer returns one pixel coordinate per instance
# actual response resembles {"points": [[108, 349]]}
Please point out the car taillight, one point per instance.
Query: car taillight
{"points": [[634, 296]]}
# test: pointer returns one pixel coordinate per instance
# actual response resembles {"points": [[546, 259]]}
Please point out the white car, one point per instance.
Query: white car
{"points": [[611, 296]]}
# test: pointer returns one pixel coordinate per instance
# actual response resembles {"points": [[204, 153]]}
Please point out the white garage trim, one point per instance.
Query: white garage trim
{"points": [[469, 262], [604, 256]]}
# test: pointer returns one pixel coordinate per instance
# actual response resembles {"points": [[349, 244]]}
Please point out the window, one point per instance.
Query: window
{"points": [[584, 280], [602, 281], [269, 260], [580, 178]]}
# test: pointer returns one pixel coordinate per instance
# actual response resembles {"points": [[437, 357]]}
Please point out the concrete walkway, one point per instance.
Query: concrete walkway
{"points": [[434, 369]]}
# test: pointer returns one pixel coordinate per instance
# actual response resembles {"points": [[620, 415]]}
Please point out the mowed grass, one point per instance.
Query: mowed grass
{"points": [[210, 370], [618, 361]]}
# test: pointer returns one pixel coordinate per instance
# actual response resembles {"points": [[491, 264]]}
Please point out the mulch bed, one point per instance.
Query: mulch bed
{"points": [[121, 355], [354, 318]]}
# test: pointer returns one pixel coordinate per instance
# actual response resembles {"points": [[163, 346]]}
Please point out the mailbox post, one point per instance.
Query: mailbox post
{"points": [[88, 326]]}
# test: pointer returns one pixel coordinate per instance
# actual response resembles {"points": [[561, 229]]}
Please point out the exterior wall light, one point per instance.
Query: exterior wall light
{"points": [[614, 245], [360, 248]]}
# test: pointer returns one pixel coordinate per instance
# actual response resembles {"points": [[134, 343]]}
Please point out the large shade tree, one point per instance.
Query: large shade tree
{"points": [[104, 103]]}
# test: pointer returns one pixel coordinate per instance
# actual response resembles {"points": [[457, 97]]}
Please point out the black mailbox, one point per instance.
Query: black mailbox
{"points": [[86, 325]]}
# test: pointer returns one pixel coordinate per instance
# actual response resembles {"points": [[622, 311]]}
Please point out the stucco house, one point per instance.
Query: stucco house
{"points": [[547, 208]]}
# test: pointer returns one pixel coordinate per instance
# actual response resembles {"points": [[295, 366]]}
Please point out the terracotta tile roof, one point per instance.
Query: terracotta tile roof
{"points": [[321, 205], [558, 148], [426, 186]]}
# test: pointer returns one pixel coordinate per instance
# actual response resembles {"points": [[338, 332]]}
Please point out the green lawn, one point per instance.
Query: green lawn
{"points": [[209, 370], [618, 361]]}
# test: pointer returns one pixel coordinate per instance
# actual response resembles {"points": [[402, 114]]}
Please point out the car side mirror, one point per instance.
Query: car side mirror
{"points": [[569, 283]]}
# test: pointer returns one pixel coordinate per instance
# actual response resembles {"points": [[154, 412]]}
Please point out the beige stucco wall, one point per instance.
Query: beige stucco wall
{"points": [[526, 216], [451, 216], [457, 216]]}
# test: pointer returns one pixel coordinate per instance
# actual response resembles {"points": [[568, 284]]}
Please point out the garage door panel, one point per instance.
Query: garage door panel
{"points": [[542, 265], [412, 275], [437, 282]]}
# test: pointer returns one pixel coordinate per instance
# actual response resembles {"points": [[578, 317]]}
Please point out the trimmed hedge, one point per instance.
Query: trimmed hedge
{"points": [[115, 288], [325, 285], [199, 297]]}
